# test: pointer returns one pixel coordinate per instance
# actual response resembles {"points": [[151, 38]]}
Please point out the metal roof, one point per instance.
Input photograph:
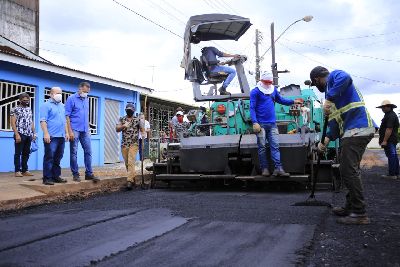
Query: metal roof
{"points": [[17, 58]]}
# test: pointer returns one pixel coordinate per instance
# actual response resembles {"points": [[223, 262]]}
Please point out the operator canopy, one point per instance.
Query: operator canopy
{"points": [[212, 27]]}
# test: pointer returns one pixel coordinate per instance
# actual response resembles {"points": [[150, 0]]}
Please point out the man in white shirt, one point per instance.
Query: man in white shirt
{"points": [[144, 135]]}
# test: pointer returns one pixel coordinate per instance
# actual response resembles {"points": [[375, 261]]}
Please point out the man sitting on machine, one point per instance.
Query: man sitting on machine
{"points": [[215, 66]]}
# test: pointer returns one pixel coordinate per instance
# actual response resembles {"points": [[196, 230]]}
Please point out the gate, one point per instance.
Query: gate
{"points": [[111, 139]]}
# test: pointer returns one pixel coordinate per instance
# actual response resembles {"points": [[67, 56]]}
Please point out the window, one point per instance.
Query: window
{"points": [[9, 93], [93, 108]]}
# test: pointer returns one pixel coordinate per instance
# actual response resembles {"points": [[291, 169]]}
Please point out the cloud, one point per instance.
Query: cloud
{"points": [[104, 38]]}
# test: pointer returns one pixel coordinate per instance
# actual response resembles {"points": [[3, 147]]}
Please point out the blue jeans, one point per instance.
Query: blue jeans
{"points": [[84, 138], [231, 73], [393, 159], [22, 152], [53, 153], [269, 132]]}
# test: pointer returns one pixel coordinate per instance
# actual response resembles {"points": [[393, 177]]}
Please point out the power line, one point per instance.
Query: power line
{"points": [[2, 36], [331, 67], [229, 6], [355, 37], [334, 29], [174, 8], [166, 12], [343, 52], [149, 20]]}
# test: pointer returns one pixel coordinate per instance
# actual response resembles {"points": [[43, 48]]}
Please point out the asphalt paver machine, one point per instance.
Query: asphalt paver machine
{"points": [[225, 148]]}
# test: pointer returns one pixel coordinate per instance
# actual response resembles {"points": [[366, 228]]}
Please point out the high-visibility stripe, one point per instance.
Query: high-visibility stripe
{"points": [[370, 124], [346, 108]]}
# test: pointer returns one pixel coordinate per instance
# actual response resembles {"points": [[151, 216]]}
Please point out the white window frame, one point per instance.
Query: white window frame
{"points": [[9, 92]]}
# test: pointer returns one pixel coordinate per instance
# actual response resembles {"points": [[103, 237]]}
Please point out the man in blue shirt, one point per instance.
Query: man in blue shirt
{"points": [[350, 121], [262, 112], [77, 115], [55, 133], [211, 53]]}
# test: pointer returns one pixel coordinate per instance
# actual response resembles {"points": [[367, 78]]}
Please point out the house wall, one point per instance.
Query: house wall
{"points": [[40, 80], [19, 22]]}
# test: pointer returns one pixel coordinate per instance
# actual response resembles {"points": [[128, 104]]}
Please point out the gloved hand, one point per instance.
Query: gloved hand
{"points": [[299, 101], [256, 128], [321, 147]]}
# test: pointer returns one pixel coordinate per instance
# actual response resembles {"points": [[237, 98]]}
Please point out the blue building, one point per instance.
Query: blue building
{"points": [[108, 97]]}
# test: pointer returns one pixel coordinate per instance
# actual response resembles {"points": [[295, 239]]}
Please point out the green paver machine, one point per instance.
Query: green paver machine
{"points": [[225, 147]]}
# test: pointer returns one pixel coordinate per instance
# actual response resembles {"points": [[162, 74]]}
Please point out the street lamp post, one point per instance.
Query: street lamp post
{"points": [[274, 65]]}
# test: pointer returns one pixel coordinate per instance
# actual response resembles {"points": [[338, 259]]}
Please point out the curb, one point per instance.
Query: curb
{"points": [[65, 192]]}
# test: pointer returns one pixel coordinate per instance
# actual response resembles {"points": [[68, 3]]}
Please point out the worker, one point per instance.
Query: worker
{"points": [[215, 66], [388, 138], [130, 125], [262, 112], [349, 120], [181, 127], [172, 123]]}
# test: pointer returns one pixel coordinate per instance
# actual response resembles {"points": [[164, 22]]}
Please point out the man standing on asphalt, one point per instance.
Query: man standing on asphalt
{"points": [[388, 136], [262, 112], [144, 137], [24, 132], [130, 126], [349, 120], [77, 114], [55, 133]]}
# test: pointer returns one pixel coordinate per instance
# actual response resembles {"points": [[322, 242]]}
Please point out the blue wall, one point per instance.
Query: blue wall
{"points": [[42, 79]]}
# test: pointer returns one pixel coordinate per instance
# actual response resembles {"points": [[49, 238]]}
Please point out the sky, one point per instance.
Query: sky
{"points": [[360, 37]]}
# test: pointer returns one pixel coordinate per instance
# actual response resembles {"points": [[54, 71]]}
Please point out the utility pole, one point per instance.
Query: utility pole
{"points": [[274, 66], [257, 42]]}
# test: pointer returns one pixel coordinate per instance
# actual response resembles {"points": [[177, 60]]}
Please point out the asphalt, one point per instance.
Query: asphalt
{"points": [[198, 226]]}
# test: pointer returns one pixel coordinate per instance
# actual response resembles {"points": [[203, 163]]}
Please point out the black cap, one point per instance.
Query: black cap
{"points": [[317, 72], [130, 106]]}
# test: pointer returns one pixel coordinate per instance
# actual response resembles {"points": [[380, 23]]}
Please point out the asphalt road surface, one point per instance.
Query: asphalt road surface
{"points": [[203, 227]]}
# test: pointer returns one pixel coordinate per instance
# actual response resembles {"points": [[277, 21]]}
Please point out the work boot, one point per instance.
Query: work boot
{"points": [[59, 180], [280, 172], [18, 174], [27, 174], [265, 172], [222, 91], [92, 177], [354, 218], [339, 211], [47, 182], [393, 177], [76, 178]]}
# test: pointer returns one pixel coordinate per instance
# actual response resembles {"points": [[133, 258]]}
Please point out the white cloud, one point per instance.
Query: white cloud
{"points": [[109, 40]]}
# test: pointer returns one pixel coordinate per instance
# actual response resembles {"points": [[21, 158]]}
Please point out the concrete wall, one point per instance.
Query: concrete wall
{"points": [[19, 22], [40, 80]]}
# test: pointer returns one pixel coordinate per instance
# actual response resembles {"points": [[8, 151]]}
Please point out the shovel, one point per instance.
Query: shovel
{"points": [[311, 200]]}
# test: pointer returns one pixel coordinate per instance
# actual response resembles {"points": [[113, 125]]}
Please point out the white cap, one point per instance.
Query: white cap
{"points": [[179, 113], [266, 76]]}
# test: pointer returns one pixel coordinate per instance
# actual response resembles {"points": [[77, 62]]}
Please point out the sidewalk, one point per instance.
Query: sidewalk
{"points": [[21, 192]]}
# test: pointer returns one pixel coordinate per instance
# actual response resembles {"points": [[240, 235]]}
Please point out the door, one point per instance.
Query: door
{"points": [[111, 139]]}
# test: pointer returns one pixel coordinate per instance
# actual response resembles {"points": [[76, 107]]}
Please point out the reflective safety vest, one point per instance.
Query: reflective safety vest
{"points": [[348, 110]]}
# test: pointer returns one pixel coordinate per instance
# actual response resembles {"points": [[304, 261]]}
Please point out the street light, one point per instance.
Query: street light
{"points": [[306, 19], [274, 66]]}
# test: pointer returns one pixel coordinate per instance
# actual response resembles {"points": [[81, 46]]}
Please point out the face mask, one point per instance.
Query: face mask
{"points": [[129, 112], [25, 103], [83, 95], [57, 97], [180, 119]]}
